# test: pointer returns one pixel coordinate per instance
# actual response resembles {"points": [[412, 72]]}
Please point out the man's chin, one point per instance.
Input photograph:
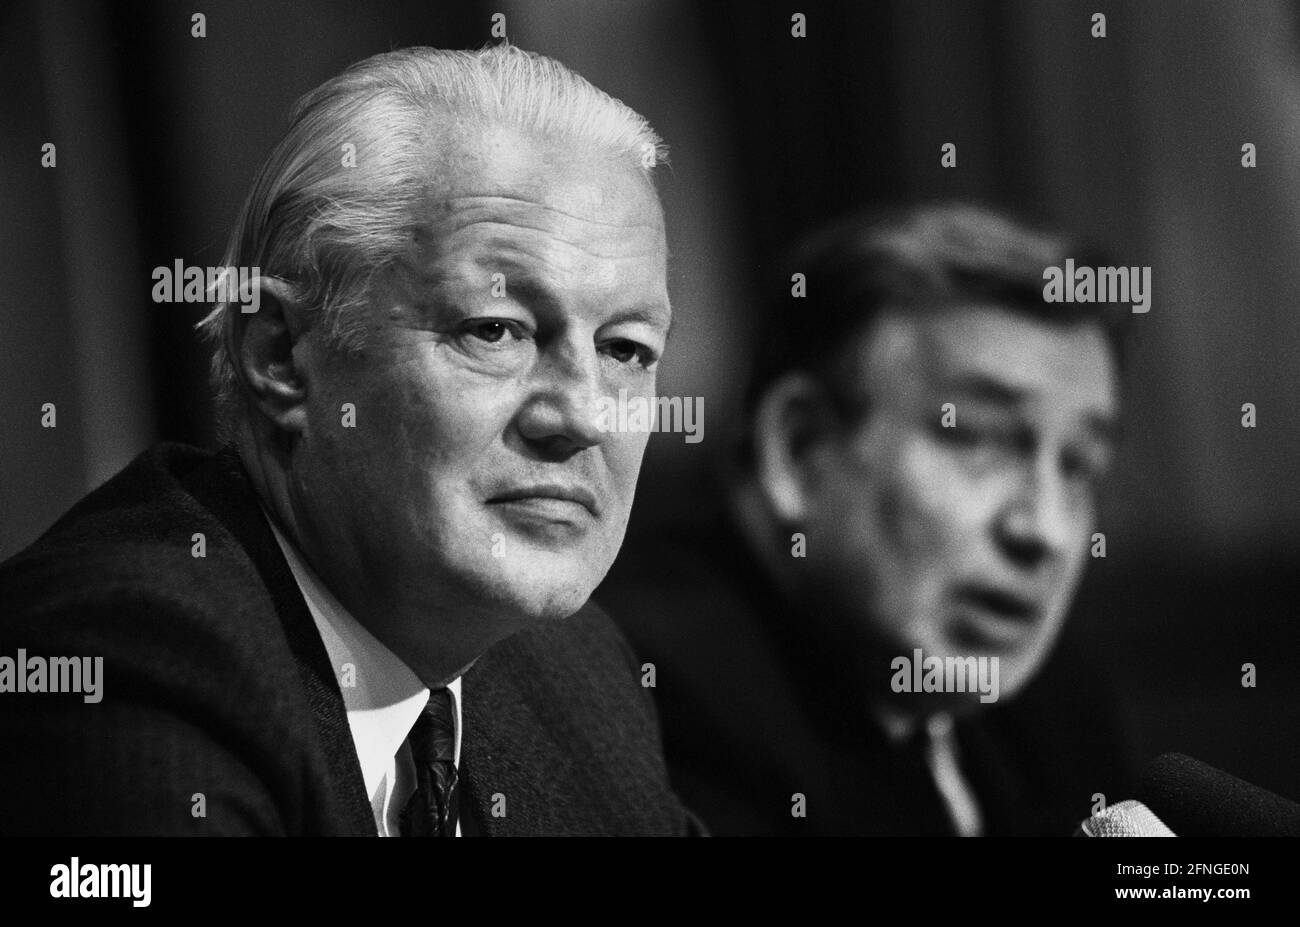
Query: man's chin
{"points": [[530, 607], [538, 596]]}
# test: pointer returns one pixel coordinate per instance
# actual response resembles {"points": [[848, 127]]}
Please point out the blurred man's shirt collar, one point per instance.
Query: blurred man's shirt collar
{"points": [[943, 760]]}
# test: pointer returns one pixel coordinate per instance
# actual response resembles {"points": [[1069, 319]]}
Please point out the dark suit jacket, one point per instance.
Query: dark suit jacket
{"points": [[754, 710], [216, 684]]}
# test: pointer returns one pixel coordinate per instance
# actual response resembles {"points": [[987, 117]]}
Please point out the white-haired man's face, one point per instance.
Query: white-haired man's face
{"points": [[475, 478]]}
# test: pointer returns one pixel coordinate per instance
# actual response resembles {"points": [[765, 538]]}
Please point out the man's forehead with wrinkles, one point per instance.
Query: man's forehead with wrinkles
{"points": [[537, 182], [993, 354], [504, 200]]}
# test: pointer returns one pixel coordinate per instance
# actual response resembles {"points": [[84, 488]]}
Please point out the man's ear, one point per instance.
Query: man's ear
{"points": [[261, 347], [791, 419]]}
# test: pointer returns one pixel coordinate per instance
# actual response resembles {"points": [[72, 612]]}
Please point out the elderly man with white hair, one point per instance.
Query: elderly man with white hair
{"points": [[367, 613]]}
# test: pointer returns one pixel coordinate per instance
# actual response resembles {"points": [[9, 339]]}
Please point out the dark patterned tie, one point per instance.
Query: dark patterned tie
{"points": [[431, 810]]}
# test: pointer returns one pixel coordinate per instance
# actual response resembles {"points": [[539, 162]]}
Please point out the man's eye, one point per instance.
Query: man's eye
{"points": [[967, 436], [960, 434], [625, 352], [990, 438], [1083, 468], [493, 330]]}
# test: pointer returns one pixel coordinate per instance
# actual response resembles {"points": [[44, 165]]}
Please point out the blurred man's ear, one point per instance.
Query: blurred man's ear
{"points": [[261, 345], [792, 418]]}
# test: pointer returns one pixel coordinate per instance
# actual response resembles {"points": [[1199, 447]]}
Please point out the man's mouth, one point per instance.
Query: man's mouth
{"points": [[549, 497], [991, 615]]}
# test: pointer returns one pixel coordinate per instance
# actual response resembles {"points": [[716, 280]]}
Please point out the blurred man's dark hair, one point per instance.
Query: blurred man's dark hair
{"points": [[909, 259]]}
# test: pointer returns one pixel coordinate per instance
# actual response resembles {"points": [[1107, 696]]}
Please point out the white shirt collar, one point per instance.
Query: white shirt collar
{"points": [[942, 757], [382, 695]]}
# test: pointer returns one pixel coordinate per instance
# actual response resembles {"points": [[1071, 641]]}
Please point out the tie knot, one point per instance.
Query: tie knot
{"points": [[432, 808], [433, 738]]}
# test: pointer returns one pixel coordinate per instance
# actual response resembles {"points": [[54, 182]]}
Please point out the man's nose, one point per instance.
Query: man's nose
{"points": [[559, 415], [1036, 524]]}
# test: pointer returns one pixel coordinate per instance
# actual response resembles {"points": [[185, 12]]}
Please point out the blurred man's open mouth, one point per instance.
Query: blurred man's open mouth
{"points": [[988, 617]]}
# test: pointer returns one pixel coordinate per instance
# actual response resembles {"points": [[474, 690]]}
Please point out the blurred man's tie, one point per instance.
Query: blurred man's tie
{"points": [[432, 809]]}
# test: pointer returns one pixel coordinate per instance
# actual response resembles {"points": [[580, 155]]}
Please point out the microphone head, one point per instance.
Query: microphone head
{"points": [[1200, 801], [1125, 819]]}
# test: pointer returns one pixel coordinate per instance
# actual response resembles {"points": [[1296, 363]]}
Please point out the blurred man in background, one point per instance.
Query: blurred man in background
{"points": [[917, 482]]}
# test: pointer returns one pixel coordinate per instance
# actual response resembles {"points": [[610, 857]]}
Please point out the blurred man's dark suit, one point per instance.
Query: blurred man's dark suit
{"points": [[753, 712], [216, 683]]}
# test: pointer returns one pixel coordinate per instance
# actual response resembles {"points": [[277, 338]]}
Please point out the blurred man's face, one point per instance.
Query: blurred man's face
{"points": [[474, 478], [969, 540]]}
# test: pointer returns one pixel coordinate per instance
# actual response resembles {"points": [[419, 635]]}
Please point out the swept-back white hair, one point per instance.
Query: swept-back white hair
{"points": [[327, 228]]}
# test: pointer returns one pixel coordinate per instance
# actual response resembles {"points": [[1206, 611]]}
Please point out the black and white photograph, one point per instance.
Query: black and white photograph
{"points": [[628, 418]]}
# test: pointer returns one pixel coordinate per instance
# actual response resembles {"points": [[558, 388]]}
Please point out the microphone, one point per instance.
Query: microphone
{"points": [[1197, 800], [1124, 819]]}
